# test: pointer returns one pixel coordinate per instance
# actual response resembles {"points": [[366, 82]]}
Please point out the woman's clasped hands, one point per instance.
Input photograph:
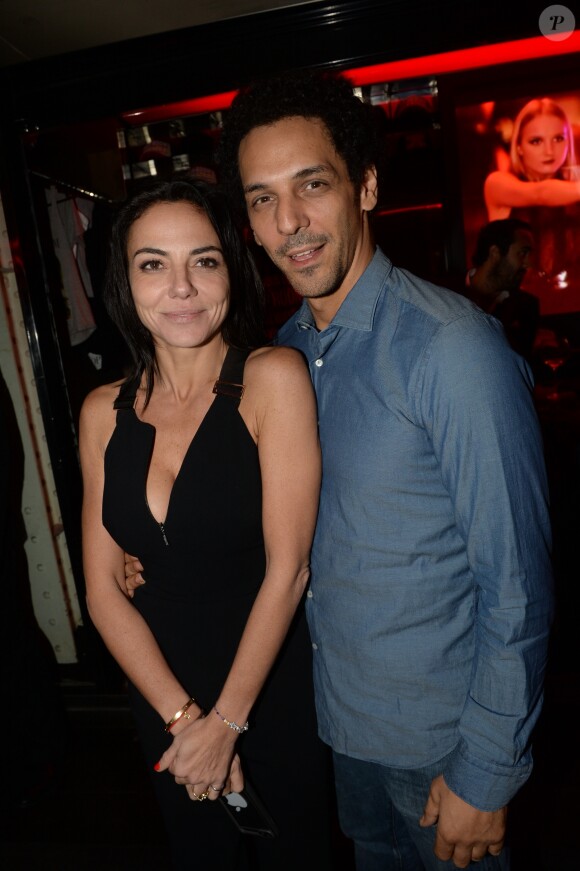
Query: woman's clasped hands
{"points": [[202, 758]]}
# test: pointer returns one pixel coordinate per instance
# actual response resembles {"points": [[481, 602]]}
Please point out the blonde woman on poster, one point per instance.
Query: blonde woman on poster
{"points": [[541, 185]]}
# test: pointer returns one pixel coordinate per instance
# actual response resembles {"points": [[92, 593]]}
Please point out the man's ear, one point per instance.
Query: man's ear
{"points": [[494, 254], [369, 189]]}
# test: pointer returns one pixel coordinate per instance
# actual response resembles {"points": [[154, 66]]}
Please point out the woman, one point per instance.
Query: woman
{"points": [[542, 163], [541, 187], [205, 463]]}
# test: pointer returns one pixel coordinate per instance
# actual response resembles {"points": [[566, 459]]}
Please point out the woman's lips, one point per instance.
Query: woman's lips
{"points": [[182, 317]]}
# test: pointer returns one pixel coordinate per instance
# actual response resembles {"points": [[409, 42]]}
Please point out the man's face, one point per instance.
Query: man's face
{"points": [[303, 207], [511, 268]]}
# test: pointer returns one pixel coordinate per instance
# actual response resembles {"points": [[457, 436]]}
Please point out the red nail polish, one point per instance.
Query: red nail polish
{"points": [[156, 766]]}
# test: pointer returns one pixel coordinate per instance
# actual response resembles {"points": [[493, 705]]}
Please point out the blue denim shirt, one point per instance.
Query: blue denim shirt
{"points": [[430, 596]]}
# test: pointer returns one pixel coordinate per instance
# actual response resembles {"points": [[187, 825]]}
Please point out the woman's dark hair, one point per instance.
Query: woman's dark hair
{"points": [[323, 95], [243, 325]]}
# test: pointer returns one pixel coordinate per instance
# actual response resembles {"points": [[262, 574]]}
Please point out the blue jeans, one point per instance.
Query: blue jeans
{"points": [[379, 809]]}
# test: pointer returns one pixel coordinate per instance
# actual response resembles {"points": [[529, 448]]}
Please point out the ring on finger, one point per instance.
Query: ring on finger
{"points": [[216, 788]]}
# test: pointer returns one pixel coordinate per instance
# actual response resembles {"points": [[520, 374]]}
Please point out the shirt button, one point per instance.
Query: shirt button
{"points": [[314, 646], [309, 594], [319, 363]]}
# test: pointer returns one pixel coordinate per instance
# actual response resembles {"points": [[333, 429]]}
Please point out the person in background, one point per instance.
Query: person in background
{"points": [[205, 462], [500, 262], [542, 187], [430, 597]]}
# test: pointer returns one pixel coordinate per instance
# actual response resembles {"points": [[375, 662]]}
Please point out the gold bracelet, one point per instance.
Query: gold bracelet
{"points": [[182, 712]]}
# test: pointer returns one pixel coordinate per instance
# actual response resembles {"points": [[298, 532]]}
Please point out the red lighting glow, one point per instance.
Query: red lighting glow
{"points": [[465, 59], [431, 65]]}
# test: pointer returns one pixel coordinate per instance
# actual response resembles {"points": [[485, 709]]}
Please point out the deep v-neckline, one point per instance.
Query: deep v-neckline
{"points": [[189, 449], [229, 384]]}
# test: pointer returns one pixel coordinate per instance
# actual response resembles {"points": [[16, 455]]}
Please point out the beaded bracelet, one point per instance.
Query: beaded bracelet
{"points": [[232, 725], [182, 712]]}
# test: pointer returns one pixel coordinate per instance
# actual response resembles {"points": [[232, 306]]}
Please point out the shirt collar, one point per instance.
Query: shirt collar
{"points": [[358, 309]]}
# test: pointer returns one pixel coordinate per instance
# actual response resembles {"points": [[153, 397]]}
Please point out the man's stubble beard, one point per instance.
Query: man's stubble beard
{"points": [[306, 285]]}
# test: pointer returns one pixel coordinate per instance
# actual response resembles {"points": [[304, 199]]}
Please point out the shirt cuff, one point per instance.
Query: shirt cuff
{"points": [[484, 785]]}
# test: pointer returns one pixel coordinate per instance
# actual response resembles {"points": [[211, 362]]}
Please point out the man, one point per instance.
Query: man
{"points": [[430, 599], [500, 262]]}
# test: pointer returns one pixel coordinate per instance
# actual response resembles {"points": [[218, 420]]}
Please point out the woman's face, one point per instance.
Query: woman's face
{"points": [[178, 276], [543, 146]]}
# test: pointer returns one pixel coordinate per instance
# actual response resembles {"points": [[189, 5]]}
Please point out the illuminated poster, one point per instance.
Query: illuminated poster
{"points": [[519, 159]]}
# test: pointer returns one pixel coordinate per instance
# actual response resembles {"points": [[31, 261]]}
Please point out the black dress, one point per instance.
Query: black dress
{"points": [[203, 568]]}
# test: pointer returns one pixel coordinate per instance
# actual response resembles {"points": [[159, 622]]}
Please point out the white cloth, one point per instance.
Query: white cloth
{"points": [[68, 225]]}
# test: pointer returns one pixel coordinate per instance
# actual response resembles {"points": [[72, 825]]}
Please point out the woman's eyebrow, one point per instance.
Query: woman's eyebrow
{"points": [[202, 250]]}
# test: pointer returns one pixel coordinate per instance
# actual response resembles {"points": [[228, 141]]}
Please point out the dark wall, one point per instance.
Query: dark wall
{"points": [[215, 57]]}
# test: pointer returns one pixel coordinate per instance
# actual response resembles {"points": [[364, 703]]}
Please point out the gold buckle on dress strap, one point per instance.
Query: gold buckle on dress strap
{"points": [[228, 388]]}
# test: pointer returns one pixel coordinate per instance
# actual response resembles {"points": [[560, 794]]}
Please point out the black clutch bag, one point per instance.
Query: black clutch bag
{"points": [[248, 814]]}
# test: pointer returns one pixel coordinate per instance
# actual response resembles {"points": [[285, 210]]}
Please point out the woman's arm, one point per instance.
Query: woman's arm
{"points": [[122, 628], [290, 464], [504, 191], [280, 409]]}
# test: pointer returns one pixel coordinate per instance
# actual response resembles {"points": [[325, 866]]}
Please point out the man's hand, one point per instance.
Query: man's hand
{"points": [[464, 833], [133, 578]]}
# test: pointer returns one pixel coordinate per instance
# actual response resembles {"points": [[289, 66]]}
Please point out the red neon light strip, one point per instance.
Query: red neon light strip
{"points": [[430, 65], [197, 106], [427, 207], [465, 59]]}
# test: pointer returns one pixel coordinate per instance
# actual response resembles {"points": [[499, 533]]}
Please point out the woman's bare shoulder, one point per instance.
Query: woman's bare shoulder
{"points": [[101, 398], [502, 180], [277, 376], [276, 361], [497, 178], [98, 416]]}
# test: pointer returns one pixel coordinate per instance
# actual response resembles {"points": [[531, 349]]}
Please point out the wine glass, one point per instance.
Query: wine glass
{"points": [[555, 361]]}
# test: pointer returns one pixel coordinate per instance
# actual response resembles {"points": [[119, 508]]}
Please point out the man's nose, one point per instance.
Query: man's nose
{"points": [[291, 215]]}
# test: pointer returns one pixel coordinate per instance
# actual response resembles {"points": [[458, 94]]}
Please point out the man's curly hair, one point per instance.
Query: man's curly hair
{"points": [[308, 94]]}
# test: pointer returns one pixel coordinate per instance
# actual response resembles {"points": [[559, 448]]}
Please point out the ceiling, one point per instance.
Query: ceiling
{"points": [[36, 29]]}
